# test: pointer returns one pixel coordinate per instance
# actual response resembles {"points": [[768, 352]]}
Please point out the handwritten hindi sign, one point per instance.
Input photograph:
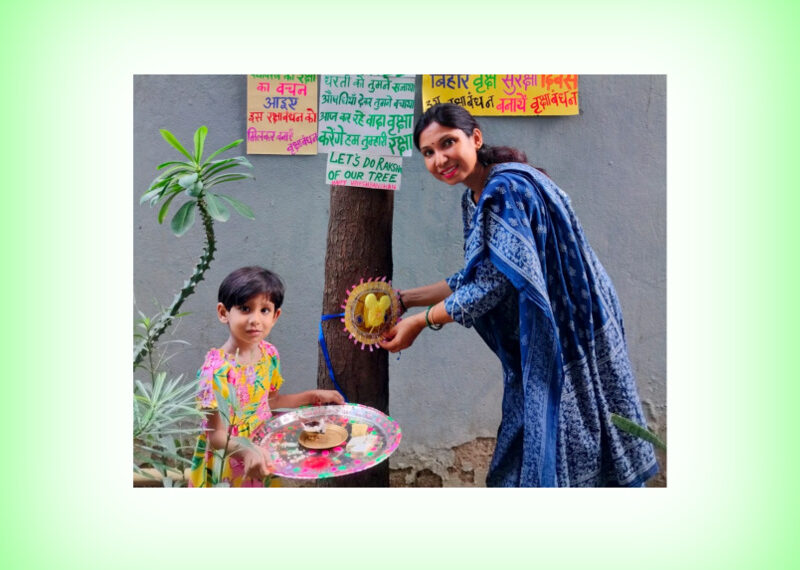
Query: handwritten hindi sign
{"points": [[282, 114], [372, 114], [510, 95], [364, 171]]}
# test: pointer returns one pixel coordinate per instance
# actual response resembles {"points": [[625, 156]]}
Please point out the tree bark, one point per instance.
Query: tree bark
{"points": [[359, 247]]}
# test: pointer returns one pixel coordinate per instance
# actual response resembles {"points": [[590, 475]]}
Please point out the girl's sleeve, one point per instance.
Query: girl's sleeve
{"points": [[213, 375], [274, 377], [276, 380], [476, 296]]}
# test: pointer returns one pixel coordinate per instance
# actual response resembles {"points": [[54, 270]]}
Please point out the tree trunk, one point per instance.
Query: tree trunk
{"points": [[359, 247]]}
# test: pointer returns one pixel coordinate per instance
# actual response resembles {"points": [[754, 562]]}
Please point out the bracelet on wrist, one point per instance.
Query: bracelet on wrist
{"points": [[403, 307], [430, 324]]}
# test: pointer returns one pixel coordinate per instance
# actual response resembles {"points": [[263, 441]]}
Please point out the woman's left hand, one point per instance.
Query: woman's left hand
{"points": [[403, 334], [400, 301]]}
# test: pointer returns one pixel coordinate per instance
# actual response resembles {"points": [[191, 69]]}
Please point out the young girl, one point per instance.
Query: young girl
{"points": [[249, 303], [534, 290]]}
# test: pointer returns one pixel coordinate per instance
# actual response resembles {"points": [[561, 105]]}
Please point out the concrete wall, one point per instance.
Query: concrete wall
{"points": [[445, 391]]}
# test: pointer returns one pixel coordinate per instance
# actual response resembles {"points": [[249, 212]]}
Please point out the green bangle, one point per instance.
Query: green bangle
{"points": [[431, 325]]}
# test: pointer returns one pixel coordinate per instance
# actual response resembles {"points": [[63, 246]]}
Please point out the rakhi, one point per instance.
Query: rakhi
{"points": [[372, 308]]}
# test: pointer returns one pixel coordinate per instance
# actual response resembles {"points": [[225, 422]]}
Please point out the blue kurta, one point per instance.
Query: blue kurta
{"points": [[536, 293]]}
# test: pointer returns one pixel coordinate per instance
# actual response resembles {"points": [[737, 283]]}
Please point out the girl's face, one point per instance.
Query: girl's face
{"points": [[451, 155], [250, 322]]}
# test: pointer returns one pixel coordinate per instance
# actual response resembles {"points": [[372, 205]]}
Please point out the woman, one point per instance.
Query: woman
{"points": [[538, 296]]}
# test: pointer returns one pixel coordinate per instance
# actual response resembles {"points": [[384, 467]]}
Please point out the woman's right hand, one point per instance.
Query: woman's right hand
{"points": [[403, 334]]}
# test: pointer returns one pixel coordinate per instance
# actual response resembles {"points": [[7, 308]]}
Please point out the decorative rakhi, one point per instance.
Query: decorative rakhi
{"points": [[372, 308]]}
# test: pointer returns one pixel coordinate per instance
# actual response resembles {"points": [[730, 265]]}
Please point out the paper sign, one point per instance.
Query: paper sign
{"points": [[509, 95], [371, 114], [365, 171], [282, 114]]}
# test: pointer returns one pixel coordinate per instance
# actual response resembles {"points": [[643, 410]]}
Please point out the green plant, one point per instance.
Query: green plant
{"points": [[635, 429], [192, 180], [229, 411], [165, 418]]}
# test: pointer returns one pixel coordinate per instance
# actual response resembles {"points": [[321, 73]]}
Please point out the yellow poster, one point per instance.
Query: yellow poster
{"points": [[281, 114], [504, 95]]}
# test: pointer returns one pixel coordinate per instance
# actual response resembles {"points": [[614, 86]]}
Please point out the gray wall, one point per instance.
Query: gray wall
{"points": [[446, 389]]}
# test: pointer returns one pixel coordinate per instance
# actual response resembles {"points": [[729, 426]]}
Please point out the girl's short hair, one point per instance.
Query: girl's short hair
{"points": [[242, 284], [455, 116]]}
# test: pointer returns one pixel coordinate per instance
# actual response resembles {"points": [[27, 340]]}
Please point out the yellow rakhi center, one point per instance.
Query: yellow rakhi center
{"points": [[374, 310], [371, 309]]}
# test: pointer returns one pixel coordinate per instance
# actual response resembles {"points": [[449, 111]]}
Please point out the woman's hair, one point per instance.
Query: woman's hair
{"points": [[454, 116], [241, 284]]}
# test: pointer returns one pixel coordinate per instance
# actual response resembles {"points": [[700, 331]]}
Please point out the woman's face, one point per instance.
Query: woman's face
{"points": [[451, 155]]}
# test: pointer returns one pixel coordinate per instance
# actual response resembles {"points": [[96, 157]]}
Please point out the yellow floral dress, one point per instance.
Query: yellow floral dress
{"points": [[252, 384]]}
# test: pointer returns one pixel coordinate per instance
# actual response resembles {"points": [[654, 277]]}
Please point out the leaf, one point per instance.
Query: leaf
{"points": [[187, 180], [170, 176], [216, 208], [153, 192], [183, 460], [199, 141], [158, 384], [141, 399], [216, 167], [159, 182], [141, 388], [243, 209], [635, 429], [223, 149], [174, 189], [219, 166], [222, 408], [170, 138], [243, 161], [233, 400], [162, 213], [176, 162], [216, 472], [195, 190], [227, 178], [184, 218], [179, 315]]}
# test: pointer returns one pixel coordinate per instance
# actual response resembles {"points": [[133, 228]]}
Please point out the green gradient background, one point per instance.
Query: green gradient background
{"points": [[732, 227]]}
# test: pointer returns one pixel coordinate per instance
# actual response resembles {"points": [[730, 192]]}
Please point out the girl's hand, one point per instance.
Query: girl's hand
{"points": [[319, 397], [256, 463], [403, 334]]}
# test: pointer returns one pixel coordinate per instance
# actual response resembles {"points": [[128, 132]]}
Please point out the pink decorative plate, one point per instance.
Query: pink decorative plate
{"points": [[376, 437]]}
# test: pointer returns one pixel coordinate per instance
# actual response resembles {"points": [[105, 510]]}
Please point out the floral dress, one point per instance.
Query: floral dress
{"points": [[252, 385]]}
